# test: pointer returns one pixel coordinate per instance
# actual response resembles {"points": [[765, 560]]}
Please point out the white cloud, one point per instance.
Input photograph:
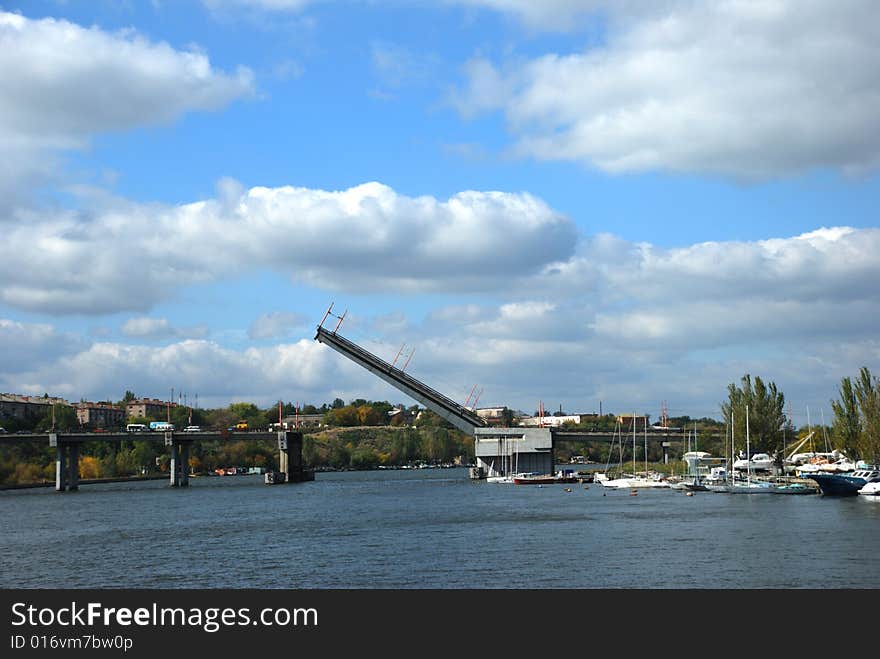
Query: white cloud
{"points": [[144, 327], [275, 324], [24, 345], [302, 371], [61, 83], [743, 89], [362, 239], [829, 264]]}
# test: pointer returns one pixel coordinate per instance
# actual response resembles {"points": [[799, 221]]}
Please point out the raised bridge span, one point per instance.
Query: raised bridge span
{"points": [[460, 416], [494, 447]]}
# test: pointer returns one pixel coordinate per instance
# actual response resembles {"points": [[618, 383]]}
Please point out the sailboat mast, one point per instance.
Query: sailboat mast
{"points": [[732, 446], [634, 444], [646, 447], [748, 454]]}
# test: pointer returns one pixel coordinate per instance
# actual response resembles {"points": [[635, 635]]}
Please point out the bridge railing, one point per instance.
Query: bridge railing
{"points": [[396, 373]]}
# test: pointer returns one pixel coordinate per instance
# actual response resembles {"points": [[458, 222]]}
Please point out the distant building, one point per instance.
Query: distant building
{"points": [[548, 421], [401, 416], [302, 421], [148, 408], [495, 416], [100, 415], [626, 421], [17, 406]]}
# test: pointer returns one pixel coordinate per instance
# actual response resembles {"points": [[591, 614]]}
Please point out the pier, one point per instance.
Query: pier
{"points": [[67, 447]]}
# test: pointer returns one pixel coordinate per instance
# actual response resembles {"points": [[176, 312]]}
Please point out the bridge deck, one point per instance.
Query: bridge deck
{"points": [[9, 438], [458, 415]]}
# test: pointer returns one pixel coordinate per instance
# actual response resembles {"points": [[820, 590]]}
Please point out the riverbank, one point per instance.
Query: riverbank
{"points": [[88, 481]]}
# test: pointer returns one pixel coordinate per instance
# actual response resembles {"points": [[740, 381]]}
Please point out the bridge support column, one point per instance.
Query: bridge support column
{"points": [[290, 462], [179, 467], [183, 453], [60, 466], [73, 467], [66, 463], [175, 465]]}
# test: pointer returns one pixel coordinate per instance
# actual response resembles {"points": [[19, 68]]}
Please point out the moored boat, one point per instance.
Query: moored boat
{"points": [[757, 462], [751, 487], [534, 479], [795, 488], [844, 484], [871, 489]]}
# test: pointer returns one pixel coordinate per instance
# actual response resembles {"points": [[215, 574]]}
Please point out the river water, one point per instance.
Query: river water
{"points": [[430, 528]]}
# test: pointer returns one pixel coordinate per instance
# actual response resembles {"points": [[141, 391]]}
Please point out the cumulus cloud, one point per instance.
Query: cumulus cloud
{"points": [[275, 324], [301, 371], [144, 327], [61, 83], [749, 90], [828, 264], [23, 345], [363, 239]]}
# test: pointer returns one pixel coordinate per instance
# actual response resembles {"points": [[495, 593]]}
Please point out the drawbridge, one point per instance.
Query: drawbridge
{"points": [[458, 415], [498, 451]]}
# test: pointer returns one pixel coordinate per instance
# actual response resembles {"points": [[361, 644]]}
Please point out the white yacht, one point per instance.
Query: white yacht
{"points": [[758, 462]]}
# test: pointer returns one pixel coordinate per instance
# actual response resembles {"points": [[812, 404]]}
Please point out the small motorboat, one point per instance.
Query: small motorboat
{"points": [[871, 489]]}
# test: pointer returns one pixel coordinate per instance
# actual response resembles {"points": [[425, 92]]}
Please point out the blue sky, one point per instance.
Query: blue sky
{"points": [[568, 201]]}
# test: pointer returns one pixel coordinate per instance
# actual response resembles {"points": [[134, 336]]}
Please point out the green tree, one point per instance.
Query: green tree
{"points": [[846, 429], [249, 412], [867, 391], [62, 416], [766, 418]]}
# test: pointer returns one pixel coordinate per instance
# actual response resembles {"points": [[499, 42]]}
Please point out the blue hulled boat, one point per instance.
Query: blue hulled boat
{"points": [[844, 484]]}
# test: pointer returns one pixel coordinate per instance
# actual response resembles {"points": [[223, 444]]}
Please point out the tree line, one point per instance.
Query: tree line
{"points": [[855, 428], [428, 439]]}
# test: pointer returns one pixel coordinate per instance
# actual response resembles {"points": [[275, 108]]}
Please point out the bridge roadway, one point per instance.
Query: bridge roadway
{"points": [[463, 418], [67, 451], [653, 436]]}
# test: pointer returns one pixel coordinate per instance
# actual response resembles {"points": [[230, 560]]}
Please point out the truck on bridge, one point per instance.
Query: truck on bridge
{"points": [[161, 426]]}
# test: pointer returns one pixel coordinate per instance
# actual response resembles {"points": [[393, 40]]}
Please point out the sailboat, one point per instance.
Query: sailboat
{"points": [[695, 485], [749, 487], [601, 477], [636, 481], [509, 460]]}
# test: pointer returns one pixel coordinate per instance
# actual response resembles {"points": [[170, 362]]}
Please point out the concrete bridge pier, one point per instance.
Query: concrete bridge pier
{"points": [[60, 464], [73, 467], [66, 464], [179, 466], [290, 462]]}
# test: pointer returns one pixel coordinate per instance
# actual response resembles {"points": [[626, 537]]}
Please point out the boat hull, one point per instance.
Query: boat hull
{"points": [[795, 488], [871, 489], [838, 485], [535, 480]]}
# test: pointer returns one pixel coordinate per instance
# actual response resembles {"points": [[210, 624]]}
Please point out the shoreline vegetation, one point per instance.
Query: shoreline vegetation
{"points": [[375, 434]]}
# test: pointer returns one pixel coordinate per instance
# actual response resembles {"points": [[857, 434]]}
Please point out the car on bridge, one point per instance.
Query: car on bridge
{"points": [[192, 429]]}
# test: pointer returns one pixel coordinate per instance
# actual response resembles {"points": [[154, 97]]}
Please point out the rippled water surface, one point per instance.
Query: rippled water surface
{"points": [[430, 528]]}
